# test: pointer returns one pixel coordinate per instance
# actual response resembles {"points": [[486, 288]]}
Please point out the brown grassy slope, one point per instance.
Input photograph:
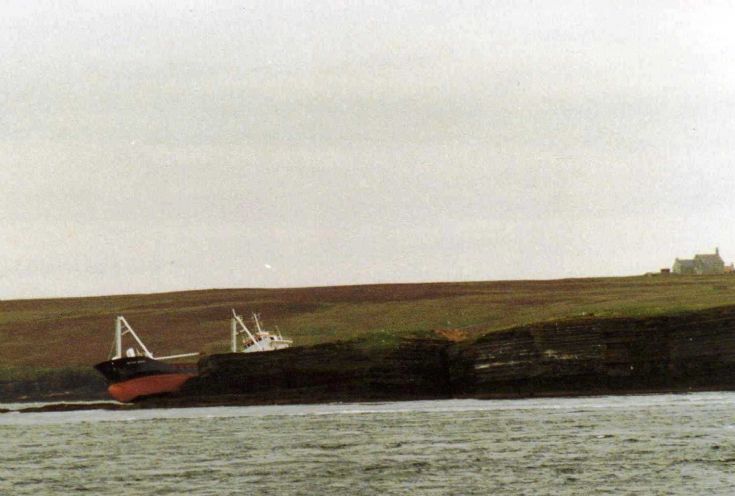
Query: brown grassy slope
{"points": [[79, 331]]}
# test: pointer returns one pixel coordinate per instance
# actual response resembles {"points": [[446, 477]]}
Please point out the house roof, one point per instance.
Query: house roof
{"points": [[709, 259], [685, 262]]}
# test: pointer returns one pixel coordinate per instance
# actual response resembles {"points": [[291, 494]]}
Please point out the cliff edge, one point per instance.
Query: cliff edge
{"points": [[688, 352]]}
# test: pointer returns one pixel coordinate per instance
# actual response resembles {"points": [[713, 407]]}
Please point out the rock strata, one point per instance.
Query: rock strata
{"points": [[688, 352], [413, 369], [693, 351]]}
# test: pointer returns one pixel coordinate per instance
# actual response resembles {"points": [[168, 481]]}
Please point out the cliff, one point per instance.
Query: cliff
{"points": [[691, 351], [688, 352], [412, 369]]}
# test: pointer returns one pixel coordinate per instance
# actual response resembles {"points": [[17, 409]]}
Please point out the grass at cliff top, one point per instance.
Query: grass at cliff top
{"points": [[72, 332]]}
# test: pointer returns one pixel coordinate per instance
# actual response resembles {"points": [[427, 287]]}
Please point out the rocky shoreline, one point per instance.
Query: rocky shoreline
{"points": [[693, 351]]}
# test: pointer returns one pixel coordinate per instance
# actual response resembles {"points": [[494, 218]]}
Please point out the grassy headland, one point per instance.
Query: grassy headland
{"points": [[73, 333]]}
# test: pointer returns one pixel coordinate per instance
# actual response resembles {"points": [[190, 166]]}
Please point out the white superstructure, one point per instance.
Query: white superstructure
{"points": [[245, 341]]}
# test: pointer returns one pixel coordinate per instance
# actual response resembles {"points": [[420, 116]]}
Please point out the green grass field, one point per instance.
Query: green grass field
{"points": [[38, 335]]}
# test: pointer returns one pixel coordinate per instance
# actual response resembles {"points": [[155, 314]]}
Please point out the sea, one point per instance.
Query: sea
{"points": [[680, 444]]}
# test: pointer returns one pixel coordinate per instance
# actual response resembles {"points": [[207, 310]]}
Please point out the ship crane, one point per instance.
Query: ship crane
{"points": [[122, 327]]}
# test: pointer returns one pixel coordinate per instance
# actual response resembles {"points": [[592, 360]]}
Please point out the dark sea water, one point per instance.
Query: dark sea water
{"points": [[658, 444]]}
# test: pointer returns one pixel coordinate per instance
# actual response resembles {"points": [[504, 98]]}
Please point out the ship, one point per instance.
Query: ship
{"points": [[246, 341], [138, 373]]}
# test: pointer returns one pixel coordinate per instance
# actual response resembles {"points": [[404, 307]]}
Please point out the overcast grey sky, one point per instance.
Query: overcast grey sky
{"points": [[152, 146]]}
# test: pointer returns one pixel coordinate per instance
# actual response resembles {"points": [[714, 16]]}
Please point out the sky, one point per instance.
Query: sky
{"points": [[151, 146]]}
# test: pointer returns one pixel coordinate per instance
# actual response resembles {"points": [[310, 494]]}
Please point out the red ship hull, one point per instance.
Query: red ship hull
{"points": [[134, 377], [147, 386]]}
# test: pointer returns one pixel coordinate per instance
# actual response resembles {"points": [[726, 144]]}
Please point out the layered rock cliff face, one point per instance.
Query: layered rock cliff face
{"points": [[334, 372], [693, 351], [687, 352]]}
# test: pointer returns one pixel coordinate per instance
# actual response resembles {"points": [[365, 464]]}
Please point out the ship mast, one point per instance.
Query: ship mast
{"points": [[236, 319]]}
